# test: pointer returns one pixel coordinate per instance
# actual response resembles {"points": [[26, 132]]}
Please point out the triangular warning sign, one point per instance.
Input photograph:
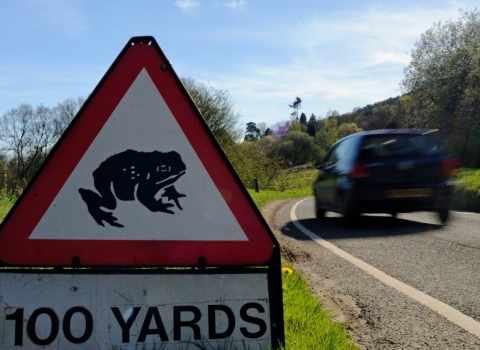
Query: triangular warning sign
{"points": [[136, 180]]}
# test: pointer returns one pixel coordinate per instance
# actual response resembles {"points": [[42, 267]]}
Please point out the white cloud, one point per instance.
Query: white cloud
{"points": [[234, 4], [186, 4], [374, 37], [338, 62]]}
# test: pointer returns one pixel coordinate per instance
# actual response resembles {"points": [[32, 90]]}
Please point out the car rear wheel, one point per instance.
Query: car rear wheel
{"points": [[319, 212], [443, 214], [350, 215]]}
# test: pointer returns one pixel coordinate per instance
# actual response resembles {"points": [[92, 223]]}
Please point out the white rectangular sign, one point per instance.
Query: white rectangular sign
{"points": [[130, 311]]}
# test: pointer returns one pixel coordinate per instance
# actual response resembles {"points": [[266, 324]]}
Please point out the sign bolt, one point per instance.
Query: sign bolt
{"points": [[75, 261], [202, 262]]}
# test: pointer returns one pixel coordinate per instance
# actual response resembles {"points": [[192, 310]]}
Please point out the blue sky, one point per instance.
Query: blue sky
{"points": [[335, 55]]}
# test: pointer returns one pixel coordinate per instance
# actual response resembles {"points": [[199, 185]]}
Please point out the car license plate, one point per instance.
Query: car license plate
{"points": [[408, 193]]}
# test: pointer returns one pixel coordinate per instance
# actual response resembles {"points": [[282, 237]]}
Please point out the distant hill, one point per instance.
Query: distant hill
{"points": [[385, 114], [367, 110]]}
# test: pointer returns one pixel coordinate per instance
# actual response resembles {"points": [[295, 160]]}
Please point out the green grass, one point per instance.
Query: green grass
{"points": [[5, 206], [294, 183], [296, 178], [265, 196], [470, 178], [307, 324], [467, 191]]}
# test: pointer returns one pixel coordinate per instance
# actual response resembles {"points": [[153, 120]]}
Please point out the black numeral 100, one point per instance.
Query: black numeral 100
{"points": [[17, 316]]}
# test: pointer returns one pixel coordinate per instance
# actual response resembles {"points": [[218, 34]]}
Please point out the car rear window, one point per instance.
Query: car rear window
{"points": [[399, 145]]}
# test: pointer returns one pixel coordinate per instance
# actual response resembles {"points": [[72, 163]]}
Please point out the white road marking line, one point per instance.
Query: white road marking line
{"points": [[464, 212], [451, 314]]}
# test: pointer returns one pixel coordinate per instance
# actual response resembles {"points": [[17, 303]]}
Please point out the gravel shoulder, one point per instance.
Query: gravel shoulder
{"points": [[378, 316]]}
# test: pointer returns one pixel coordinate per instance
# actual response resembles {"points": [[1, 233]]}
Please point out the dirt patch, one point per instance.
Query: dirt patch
{"points": [[294, 255]]}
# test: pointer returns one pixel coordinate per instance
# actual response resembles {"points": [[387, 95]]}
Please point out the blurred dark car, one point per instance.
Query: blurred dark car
{"points": [[385, 171]]}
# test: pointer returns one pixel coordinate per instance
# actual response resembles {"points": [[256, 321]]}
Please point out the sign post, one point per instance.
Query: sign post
{"points": [[137, 184]]}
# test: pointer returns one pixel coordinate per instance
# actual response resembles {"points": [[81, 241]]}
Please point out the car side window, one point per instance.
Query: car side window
{"points": [[341, 152], [332, 158], [344, 149]]}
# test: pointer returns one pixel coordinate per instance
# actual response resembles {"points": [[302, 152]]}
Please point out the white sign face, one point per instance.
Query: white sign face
{"points": [[72, 311], [143, 124]]}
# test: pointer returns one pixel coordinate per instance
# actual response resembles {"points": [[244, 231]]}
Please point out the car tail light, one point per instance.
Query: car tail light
{"points": [[359, 171], [448, 165]]}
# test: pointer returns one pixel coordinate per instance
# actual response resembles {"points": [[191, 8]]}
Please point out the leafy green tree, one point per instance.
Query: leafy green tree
{"points": [[331, 130], [217, 108], [404, 116], [266, 145], [295, 125], [251, 163], [311, 126], [303, 119], [297, 148], [443, 80], [347, 129], [319, 125], [321, 140], [252, 133]]}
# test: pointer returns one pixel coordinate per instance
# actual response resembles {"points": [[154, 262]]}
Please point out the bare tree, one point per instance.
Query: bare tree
{"points": [[64, 112], [27, 134], [296, 105], [263, 127]]}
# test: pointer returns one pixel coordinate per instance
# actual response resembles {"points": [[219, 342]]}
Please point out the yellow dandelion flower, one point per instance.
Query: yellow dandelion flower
{"points": [[287, 271]]}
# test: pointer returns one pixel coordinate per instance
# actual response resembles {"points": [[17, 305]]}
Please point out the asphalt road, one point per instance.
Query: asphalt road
{"points": [[442, 262]]}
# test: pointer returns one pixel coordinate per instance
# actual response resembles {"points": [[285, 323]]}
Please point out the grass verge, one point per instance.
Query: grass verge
{"points": [[263, 197], [5, 206], [467, 191], [295, 178], [307, 324]]}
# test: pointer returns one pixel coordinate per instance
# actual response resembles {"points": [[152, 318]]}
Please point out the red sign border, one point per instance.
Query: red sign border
{"points": [[140, 52]]}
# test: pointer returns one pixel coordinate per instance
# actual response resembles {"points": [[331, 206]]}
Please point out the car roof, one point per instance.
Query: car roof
{"points": [[389, 132], [398, 131]]}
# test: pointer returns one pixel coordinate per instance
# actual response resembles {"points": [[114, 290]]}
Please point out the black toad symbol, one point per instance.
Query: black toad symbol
{"points": [[148, 172]]}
